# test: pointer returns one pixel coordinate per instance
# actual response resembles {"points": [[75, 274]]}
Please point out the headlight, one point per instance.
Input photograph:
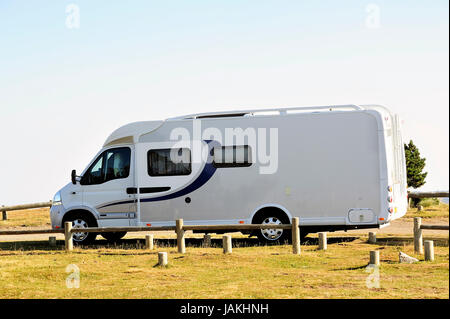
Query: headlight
{"points": [[57, 199]]}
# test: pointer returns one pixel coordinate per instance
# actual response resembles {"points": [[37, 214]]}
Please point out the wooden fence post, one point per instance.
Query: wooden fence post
{"points": [[374, 258], [295, 236], [322, 241], [227, 246], [68, 236], [52, 241], [429, 250], [418, 239], [4, 214], [372, 238], [162, 259], [149, 242], [180, 236], [207, 241]]}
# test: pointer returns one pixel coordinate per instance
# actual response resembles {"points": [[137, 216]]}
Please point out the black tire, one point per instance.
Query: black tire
{"points": [[273, 236], [114, 237], [80, 219]]}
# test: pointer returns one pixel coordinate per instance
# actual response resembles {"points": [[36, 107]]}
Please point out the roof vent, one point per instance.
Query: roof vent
{"points": [[220, 115]]}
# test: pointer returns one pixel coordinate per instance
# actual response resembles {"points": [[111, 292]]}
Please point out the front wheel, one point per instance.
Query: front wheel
{"points": [[82, 221]]}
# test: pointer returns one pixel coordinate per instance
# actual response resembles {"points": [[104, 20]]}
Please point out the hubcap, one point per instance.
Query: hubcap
{"points": [[79, 223], [272, 234]]}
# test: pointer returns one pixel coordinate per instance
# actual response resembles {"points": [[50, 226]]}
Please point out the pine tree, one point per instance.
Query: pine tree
{"points": [[414, 166]]}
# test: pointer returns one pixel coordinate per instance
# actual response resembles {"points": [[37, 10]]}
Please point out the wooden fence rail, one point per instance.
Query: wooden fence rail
{"points": [[26, 206], [6, 209], [418, 237], [436, 227], [417, 194], [31, 232]]}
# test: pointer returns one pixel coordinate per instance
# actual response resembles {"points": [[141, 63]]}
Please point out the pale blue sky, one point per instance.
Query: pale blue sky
{"points": [[62, 91]]}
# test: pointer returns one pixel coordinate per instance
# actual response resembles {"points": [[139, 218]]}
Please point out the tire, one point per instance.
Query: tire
{"points": [[114, 237], [279, 236], [82, 220]]}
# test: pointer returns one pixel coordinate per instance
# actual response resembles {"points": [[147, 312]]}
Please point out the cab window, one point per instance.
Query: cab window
{"points": [[111, 164]]}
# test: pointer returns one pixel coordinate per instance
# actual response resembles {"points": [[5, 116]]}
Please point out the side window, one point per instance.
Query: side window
{"points": [[110, 165], [169, 162], [232, 156], [117, 163]]}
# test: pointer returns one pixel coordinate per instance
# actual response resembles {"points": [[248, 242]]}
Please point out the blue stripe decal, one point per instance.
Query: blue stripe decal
{"points": [[205, 175]]}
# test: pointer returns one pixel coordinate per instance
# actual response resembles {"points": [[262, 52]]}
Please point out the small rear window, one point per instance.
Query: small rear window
{"points": [[232, 156]]}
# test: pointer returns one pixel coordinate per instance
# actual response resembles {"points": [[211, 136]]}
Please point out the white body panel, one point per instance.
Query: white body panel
{"points": [[334, 169]]}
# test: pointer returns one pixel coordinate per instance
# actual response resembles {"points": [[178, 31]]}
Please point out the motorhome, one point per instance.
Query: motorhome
{"points": [[334, 167]]}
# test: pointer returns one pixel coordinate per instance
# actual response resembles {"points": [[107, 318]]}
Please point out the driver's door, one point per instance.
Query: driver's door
{"points": [[107, 186]]}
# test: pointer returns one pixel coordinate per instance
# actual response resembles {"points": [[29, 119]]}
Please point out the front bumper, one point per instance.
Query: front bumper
{"points": [[56, 215]]}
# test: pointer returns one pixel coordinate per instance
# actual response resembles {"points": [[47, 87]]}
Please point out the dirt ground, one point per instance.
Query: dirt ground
{"points": [[403, 227]]}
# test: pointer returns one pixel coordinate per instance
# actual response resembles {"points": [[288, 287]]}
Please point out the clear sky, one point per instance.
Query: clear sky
{"points": [[65, 86]]}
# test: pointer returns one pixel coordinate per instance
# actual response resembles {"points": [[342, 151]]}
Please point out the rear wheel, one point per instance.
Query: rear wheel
{"points": [[113, 237], [81, 220], [273, 235]]}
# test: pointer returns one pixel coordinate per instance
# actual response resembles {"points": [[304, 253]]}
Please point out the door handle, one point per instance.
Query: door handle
{"points": [[147, 190]]}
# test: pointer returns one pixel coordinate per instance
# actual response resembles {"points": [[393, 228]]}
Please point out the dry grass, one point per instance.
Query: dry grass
{"points": [[33, 270], [39, 217], [437, 211], [126, 271]]}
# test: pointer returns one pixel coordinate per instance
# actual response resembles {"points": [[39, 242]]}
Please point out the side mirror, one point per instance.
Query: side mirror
{"points": [[74, 177]]}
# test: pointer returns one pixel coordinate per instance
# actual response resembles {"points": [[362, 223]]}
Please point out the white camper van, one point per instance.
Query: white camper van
{"points": [[334, 167]]}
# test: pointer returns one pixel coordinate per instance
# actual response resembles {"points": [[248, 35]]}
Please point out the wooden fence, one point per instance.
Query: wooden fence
{"points": [[6, 209], [420, 194], [418, 238], [180, 229], [417, 194]]}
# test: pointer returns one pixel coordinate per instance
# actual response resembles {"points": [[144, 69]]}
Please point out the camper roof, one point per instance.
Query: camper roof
{"points": [[130, 133], [273, 111]]}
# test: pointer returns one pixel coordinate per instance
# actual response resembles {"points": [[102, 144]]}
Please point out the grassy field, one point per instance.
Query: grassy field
{"points": [[33, 270], [434, 211], [127, 271], [27, 218]]}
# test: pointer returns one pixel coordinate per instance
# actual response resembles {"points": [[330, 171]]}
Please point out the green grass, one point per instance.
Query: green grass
{"points": [[32, 270], [427, 202]]}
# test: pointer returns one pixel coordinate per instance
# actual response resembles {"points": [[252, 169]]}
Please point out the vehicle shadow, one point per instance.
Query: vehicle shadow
{"points": [[129, 244], [236, 242], [402, 241]]}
